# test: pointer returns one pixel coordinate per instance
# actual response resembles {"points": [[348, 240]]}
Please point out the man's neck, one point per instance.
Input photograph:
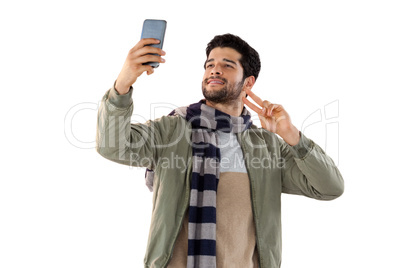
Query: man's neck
{"points": [[234, 108]]}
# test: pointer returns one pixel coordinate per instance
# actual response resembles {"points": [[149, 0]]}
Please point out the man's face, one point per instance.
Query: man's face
{"points": [[223, 77]]}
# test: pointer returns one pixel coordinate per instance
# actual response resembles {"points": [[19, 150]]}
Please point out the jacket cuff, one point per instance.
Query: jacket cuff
{"points": [[120, 101], [301, 149]]}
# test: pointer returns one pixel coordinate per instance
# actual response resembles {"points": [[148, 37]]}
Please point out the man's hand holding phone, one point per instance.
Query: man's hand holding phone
{"points": [[134, 65]]}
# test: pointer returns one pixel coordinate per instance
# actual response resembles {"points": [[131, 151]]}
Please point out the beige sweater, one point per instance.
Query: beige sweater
{"points": [[235, 230]]}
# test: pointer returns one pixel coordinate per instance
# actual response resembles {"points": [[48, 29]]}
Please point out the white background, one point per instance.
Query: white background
{"points": [[63, 205]]}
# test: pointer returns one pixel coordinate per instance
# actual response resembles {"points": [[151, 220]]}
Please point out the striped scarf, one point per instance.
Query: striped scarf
{"points": [[205, 121]]}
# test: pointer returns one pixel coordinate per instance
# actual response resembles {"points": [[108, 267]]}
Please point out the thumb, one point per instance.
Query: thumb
{"points": [[150, 70]]}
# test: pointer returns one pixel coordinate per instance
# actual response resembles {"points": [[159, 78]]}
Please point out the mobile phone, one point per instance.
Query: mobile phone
{"points": [[154, 29]]}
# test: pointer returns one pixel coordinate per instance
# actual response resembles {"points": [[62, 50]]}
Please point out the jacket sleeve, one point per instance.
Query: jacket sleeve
{"points": [[125, 143], [309, 171]]}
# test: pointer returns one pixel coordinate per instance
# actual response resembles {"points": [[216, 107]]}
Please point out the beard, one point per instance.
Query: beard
{"points": [[229, 93]]}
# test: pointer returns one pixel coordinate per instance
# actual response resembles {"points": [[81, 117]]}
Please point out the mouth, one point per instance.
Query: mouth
{"points": [[214, 81]]}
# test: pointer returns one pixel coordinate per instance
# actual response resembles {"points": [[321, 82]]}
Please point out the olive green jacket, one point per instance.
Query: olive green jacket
{"points": [[164, 145]]}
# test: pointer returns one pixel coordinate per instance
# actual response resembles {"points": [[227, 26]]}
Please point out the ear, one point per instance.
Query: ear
{"points": [[248, 83]]}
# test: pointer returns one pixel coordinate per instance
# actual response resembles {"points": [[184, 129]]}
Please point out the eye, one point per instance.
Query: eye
{"points": [[210, 65]]}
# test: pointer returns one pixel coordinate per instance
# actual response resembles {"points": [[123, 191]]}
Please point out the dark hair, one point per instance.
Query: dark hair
{"points": [[250, 60]]}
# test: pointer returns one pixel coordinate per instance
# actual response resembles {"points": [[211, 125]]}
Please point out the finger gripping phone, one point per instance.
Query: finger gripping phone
{"points": [[154, 29]]}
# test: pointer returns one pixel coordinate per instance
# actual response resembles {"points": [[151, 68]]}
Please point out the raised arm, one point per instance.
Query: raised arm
{"points": [[117, 139]]}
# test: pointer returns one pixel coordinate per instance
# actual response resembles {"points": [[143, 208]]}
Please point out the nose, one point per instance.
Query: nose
{"points": [[217, 70]]}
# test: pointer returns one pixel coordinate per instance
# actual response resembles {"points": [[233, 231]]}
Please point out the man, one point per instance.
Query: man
{"points": [[217, 179]]}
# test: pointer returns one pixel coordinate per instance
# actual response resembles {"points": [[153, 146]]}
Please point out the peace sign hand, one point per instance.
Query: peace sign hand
{"points": [[274, 118]]}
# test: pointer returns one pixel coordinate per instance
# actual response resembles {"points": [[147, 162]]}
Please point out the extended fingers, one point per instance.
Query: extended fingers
{"points": [[252, 106], [257, 99], [267, 107], [255, 108]]}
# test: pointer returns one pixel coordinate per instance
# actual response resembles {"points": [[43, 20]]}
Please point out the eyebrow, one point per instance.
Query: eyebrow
{"points": [[227, 60]]}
